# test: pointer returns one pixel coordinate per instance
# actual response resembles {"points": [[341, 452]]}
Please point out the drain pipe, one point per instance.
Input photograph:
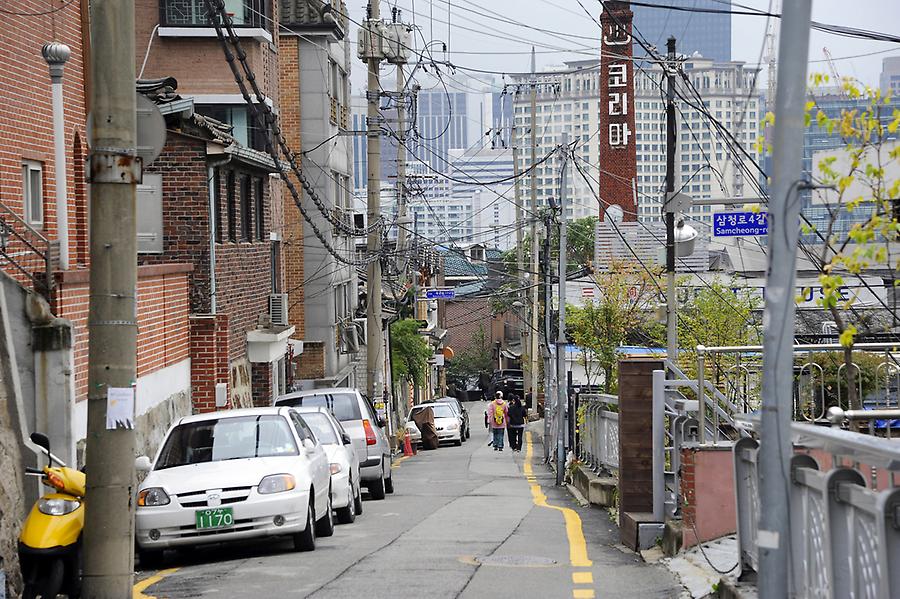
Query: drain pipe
{"points": [[213, 194], [56, 54]]}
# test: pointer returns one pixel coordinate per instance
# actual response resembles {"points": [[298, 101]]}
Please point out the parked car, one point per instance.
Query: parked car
{"points": [[232, 475], [446, 422], [461, 411], [358, 418], [509, 381], [346, 496]]}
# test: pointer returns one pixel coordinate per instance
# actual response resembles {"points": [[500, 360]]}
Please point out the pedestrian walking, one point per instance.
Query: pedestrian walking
{"points": [[518, 416], [496, 418]]}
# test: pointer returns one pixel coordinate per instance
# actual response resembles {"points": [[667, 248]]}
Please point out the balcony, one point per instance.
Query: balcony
{"points": [[188, 18], [326, 16]]}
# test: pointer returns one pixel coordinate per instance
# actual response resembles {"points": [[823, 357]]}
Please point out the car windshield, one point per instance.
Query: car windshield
{"points": [[321, 426], [344, 406], [510, 373], [230, 438], [441, 410], [453, 406]]}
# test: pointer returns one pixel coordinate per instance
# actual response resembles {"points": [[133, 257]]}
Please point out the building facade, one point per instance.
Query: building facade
{"points": [[708, 33]]}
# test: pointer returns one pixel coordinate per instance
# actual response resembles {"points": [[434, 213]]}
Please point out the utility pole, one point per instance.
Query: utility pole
{"points": [[562, 387], [778, 318], [402, 219], [671, 307], [533, 351], [115, 171], [549, 371], [374, 337], [520, 250]]}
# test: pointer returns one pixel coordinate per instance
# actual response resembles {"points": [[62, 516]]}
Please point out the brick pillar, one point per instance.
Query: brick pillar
{"points": [[261, 381], [209, 360], [312, 361], [688, 490]]}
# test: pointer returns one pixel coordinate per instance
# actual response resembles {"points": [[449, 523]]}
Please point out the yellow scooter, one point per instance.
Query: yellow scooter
{"points": [[50, 543]]}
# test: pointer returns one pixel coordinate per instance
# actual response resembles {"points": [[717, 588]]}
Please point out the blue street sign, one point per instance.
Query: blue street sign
{"points": [[737, 224], [440, 294]]}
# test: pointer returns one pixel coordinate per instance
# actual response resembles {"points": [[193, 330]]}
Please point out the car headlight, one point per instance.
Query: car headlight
{"points": [[154, 496], [335, 467], [276, 483], [452, 426], [57, 507]]}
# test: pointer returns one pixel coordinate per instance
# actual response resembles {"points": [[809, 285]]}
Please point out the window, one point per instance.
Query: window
{"points": [[246, 210], [244, 127], [230, 208], [260, 220], [33, 192]]}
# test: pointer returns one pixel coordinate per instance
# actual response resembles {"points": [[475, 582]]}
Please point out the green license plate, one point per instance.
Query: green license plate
{"points": [[217, 517]]}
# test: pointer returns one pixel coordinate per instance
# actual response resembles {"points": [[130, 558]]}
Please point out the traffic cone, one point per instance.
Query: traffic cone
{"points": [[407, 445]]}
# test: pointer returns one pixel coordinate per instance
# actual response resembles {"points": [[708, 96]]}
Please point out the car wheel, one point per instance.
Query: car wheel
{"points": [[377, 488], [151, 559], [306, 540], [468, 432], [346, 515], [357, 501], [325, 524]]}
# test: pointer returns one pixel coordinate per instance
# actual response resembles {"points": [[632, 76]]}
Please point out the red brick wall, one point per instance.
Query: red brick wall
{"points": [[312, 361], [261, 379], [289, 56], [463, 319], [618, 163], [26, 118], [209, 360], [162, 309]]}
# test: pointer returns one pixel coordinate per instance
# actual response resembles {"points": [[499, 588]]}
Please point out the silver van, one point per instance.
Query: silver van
{"points": [[364, 427]]}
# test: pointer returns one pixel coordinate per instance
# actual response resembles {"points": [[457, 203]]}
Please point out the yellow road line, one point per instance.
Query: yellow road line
{"points": [[139, 588], [583, 594], [582, 578], [399, 461], [577, 545]]}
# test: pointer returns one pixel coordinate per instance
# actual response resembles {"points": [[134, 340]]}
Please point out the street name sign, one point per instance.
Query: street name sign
{"points": [[738, 224], [440, 294]]}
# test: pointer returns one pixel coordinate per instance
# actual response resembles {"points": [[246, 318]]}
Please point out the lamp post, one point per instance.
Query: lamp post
{"points": [[56, 54]]}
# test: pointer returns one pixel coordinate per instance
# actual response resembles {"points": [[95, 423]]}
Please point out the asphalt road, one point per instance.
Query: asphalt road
{"points": [[464, 522]]}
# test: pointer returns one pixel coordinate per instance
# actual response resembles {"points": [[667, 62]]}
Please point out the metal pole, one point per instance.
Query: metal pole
{"points": [[533, 351], [374, 337], [562, 387], [520, 250], [115, 171], [56, 54], [671, 314], [701, 392], [778, 318]]}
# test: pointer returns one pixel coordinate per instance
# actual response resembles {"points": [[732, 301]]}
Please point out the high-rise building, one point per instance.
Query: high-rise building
{"points": [[890, 75], [708, 33]]}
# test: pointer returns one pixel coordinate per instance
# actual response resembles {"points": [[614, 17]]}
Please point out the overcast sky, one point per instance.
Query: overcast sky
{"points": [[483, 49]]}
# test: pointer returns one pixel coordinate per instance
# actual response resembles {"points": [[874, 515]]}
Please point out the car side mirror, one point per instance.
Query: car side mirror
{"points": [[142, 464], [345, 439], [309, 446]]}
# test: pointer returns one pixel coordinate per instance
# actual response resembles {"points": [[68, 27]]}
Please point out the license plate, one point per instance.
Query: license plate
{"points": [[218, 517]]}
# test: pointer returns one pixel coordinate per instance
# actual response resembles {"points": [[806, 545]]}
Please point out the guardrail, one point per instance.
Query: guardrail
{"points": [[598, 438], [845, 530], [26, 252]]}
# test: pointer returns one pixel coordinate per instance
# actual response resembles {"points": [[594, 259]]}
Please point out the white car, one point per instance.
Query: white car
{"points": [[446, 422], [346, 496], [236, 474]]}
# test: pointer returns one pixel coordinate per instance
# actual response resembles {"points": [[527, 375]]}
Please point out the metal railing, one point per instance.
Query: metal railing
{"points": [[598, 436], [27, 254], [845, 531], [193, 13]]}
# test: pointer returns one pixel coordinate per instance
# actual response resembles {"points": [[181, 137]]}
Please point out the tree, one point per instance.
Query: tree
{"points": [[579, 246], [410, 352], [472, 360], [623, 312], [861, 181]]}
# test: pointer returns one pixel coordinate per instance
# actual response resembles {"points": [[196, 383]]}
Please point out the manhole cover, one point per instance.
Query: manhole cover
{"points": [[515, 561]]}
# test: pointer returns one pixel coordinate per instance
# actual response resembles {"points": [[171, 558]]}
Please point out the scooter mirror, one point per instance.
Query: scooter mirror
{"points": [[41, 440]]}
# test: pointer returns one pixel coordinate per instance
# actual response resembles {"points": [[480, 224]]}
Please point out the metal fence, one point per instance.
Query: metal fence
{"points": [[845, 529], [598, 434], [25, 254]]}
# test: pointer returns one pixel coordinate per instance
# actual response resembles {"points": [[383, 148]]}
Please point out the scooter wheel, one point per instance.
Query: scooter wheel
{"points": [[49, 585]]}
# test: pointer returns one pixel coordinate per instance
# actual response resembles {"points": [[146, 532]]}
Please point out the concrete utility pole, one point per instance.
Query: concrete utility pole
{"points": [[562, 387], [671, 132], [533, 350], [115, 170], [549, 371], [374, 337], [56, 54], [520, 250], [778, 318], [402, 218]]}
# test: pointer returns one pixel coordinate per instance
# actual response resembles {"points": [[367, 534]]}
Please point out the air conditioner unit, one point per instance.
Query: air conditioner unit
{"points": [[349, 337], [362, 330], [278, 309]]}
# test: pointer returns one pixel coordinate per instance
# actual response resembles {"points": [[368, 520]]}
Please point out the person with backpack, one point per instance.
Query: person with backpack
{"points": [[497, 417], [518, 414]]}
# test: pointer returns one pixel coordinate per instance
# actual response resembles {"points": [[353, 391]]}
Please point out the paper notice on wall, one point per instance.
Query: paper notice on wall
{"points": [[119, 407]]}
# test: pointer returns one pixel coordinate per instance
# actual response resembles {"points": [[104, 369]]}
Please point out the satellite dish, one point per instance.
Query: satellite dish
{"points": [[614, 213]]}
